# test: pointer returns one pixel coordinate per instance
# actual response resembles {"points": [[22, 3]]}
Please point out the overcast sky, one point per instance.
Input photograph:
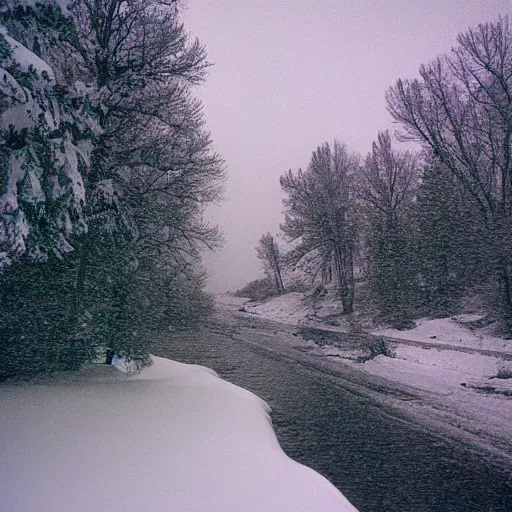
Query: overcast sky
{"points": [[290, 75]]}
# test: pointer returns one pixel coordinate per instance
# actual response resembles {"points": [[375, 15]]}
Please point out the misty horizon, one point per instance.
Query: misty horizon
{"points": [[286, 78]]}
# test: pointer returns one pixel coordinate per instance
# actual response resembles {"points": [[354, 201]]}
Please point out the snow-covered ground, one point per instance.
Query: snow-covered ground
{"points": [[288, 309], [173, 438], [292, 308], [452, 366], [452, 331]]}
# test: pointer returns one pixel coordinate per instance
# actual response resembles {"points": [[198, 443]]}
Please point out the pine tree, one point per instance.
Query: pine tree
{"points": [[451, 247], [388, 183]]}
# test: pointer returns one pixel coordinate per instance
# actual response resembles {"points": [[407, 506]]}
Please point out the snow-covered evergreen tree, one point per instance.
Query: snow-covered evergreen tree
{"points": [[47, 132], [105, 169]]}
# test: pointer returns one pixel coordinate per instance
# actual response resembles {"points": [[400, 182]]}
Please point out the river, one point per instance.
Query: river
{"points": [[333, 421]]}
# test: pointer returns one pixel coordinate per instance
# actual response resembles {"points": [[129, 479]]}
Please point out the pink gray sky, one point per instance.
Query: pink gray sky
{"points": [[290, 75]]}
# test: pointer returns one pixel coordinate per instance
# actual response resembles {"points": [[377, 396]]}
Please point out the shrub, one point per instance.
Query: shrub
{"points": [[504, 370], [376, 347], [380, 346], [259, 289]]}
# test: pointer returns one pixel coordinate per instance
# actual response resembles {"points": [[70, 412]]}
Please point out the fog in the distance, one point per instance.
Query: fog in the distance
{"points": [[291, 75]]}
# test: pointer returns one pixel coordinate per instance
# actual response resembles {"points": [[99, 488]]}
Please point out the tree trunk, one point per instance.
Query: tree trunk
{"points": [[506, 296], [274, 263], [279, 279], [345, 271]]}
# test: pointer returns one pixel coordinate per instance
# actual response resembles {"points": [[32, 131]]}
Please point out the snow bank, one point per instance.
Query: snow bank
{"points": [[175, 437], [449, 331], [445, 362]]}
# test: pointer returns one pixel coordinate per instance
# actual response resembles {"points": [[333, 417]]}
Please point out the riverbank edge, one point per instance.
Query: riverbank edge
{"points": [[455, 411]]}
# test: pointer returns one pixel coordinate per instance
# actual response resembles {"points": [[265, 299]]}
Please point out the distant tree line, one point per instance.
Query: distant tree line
{"points": [[105, 170], [425, 231]]}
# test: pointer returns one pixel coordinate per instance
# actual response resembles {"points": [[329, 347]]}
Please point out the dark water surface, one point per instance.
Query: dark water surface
{"points": [[380, 463]]}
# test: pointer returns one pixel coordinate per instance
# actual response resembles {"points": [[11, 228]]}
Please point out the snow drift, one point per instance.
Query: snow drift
{"points": [[175, 437]]}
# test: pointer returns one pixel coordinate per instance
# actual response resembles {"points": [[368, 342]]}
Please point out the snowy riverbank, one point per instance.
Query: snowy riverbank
{"points": [[452, 365], [176, 437]]}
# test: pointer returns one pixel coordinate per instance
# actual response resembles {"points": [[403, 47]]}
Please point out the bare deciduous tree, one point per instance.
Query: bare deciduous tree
{"points": [[461, 110], [152, 145], [389, 178], [320, 213]]}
